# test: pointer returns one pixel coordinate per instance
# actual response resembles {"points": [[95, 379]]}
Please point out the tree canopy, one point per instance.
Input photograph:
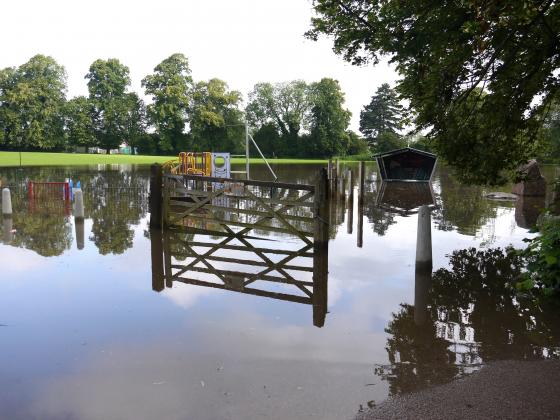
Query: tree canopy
{"points": [[384, 114], [293, 118], [447, 54], [300, 119], [113, 108], [329, 120], [216, 121], [286, 105], [32, 99], [171, 86], [79, 124]]}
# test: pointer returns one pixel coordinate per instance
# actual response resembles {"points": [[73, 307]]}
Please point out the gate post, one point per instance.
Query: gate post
{"points": [[156, 197], [321, 249]]}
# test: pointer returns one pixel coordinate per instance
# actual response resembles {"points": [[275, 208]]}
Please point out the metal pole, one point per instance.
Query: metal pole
{"points": [[265, 161]]}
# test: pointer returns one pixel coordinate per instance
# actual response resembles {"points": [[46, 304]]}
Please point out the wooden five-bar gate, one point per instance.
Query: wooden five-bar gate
{"points": [[262, 238]]}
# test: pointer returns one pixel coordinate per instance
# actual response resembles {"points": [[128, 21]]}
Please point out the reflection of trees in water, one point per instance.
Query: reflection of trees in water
{"points": [[475, 315], [114, 200], [418, 358], [43, 229], [463, 207], [381, 219]]}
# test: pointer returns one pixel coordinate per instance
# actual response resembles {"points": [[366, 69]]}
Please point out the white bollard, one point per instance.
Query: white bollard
{"points": [[79, 223], [423, 275], [8, 230], [424, 238], [79, 204], [6, 202], [422, 282]]}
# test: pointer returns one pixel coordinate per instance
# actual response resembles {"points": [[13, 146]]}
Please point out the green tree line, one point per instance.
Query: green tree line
{"points": [[287, 119]]}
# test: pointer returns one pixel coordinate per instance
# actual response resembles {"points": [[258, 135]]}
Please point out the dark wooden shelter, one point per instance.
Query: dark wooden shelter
{"points": [[406, 164]]}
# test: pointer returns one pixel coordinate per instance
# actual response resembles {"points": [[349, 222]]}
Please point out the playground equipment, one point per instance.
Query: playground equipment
{"points": [[200, 163], [213, 164], [49, 190]]}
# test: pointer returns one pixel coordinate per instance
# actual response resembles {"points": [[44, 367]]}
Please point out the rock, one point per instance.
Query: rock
{"points": [[532, 182], [527, 211], [500, 196]]}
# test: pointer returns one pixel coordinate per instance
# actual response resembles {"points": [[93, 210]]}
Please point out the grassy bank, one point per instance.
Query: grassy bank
{"points": [[67, 159]]}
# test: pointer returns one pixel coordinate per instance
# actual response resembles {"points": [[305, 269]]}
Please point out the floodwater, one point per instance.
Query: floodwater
{"points": [[90, 330]]}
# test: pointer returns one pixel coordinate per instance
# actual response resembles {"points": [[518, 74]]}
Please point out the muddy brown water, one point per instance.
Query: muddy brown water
{"points": [[84, 335]]}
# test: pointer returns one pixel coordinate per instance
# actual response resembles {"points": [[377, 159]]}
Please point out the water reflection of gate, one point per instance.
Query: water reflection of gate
{"points": [[247, 238]]}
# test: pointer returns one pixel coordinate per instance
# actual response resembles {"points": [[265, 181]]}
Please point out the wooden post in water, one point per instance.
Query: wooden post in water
{"points": [[337, 169], [361, 186], [350, 202], [156, 197], [157, 260], [321, 249], [423, 268], [341, 191], [341, 199], [167, 260]]}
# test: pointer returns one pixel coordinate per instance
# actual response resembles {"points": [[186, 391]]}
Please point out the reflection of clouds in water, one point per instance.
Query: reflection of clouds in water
{"points": [[502, 230], [242, 366], [186, 295], [17, 260]]}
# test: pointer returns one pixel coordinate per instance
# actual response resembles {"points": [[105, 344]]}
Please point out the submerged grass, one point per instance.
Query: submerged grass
{"points": [[68, 159]]}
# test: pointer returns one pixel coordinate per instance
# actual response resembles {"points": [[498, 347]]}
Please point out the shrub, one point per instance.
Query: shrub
{"points": [[542, 258]]}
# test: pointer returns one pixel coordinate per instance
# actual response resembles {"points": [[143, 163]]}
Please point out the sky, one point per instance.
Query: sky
{"points": [[243, 42]]}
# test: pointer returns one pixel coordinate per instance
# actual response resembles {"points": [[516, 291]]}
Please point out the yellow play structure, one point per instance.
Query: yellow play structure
{"points": [[213, 164], [190, 163]]}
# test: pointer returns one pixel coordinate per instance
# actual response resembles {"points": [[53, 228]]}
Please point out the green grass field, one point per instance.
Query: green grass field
{"points": [[67, 159]]}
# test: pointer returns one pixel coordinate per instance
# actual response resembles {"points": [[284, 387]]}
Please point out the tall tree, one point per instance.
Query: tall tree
{"points": [[79, 124], [216, 121], [329, 120], [108, 81], [171, 87], [550, 151], [446, 50], [9, 126], [135, 123], [284, 104], [384, 114], [31, 104]]}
